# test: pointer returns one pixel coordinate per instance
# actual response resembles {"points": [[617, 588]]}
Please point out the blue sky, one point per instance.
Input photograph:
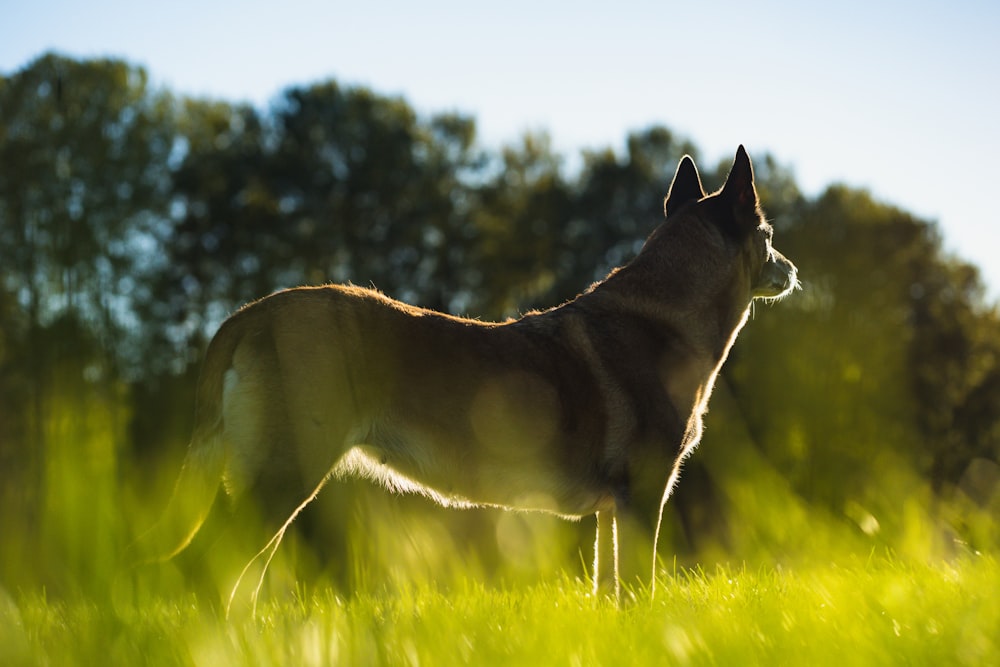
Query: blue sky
{"points": [[900, 97]]}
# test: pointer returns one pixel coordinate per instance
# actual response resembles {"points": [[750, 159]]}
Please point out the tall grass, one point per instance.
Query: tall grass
{"points": [[880, 612], [883, 582]]}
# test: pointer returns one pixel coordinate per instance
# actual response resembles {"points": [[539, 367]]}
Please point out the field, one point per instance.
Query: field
{"points": [[801, 587], [878, 612]]}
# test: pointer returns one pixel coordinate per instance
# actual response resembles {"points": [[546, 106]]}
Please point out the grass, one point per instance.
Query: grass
{"points": [[880, 612], [933, 601]]}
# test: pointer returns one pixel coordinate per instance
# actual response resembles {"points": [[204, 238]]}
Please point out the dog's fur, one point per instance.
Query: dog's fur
{"points": [[586, 408]]}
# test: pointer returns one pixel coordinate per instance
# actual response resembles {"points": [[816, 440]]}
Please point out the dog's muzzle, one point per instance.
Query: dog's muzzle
{"points": [[778, 278]]}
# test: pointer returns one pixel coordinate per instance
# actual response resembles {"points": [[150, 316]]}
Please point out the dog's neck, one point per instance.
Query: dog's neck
{"points": [[708, 324]]}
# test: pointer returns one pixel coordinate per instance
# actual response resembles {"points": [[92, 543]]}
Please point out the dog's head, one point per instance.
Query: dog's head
{"points": [[734, 218]]}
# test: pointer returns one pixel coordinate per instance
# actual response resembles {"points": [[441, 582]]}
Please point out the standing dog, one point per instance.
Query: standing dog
{"points": [[590, 407]]}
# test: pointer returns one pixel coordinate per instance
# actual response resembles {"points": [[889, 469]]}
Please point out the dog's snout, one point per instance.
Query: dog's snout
{"points": [[791, 275], [778, 278]]}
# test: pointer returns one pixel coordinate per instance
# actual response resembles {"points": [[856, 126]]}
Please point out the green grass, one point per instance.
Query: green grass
{"points": [[428, 578], [880, 612]]}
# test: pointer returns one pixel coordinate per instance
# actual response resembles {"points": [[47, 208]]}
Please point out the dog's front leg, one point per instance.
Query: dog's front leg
{"points": [[633, 545], [606, 557], [623, 552]]}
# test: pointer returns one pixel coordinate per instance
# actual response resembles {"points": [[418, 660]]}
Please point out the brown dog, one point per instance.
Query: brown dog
{"points": [[586, 408]]}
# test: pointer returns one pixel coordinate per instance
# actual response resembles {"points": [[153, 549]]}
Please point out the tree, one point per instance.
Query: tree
{"points": [[520, 214], [339, 184], [83, 158], [83, 181], [217, 242], [372, 193]]}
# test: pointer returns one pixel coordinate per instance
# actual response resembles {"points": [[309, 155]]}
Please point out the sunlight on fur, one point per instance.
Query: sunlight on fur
{"points": [[360, 462]]}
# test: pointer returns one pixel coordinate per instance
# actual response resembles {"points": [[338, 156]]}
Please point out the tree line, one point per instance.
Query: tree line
{"points": [[133, 220]]}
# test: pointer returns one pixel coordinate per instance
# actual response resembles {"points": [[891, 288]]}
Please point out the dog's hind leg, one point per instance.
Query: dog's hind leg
{"points": [[269, 550]]}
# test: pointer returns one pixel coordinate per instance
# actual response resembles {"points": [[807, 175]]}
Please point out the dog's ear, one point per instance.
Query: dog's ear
{"points": [[741, 192], [739, 188], [685, 187]]}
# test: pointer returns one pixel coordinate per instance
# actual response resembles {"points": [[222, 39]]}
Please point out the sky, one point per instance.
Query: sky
{"points": [[899, 97]]}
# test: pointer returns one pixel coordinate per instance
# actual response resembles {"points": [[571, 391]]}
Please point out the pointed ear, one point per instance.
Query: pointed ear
{"points": [[739, 188], [685, 187]]}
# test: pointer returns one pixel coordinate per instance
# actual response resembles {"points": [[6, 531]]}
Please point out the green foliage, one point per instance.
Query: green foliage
{"points": [[83, 149]]}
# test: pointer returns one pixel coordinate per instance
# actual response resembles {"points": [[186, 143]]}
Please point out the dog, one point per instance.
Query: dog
{"points": [[586, 408]]}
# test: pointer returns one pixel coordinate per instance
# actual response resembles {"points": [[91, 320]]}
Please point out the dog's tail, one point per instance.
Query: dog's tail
{"points": [[201, 475], [189, 505]]}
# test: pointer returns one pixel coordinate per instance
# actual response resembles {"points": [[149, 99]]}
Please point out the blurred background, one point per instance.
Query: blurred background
{"points": [[136, 213]]}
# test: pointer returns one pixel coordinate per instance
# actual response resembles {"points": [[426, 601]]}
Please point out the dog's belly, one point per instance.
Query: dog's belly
{"points": [[455, 469]]}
